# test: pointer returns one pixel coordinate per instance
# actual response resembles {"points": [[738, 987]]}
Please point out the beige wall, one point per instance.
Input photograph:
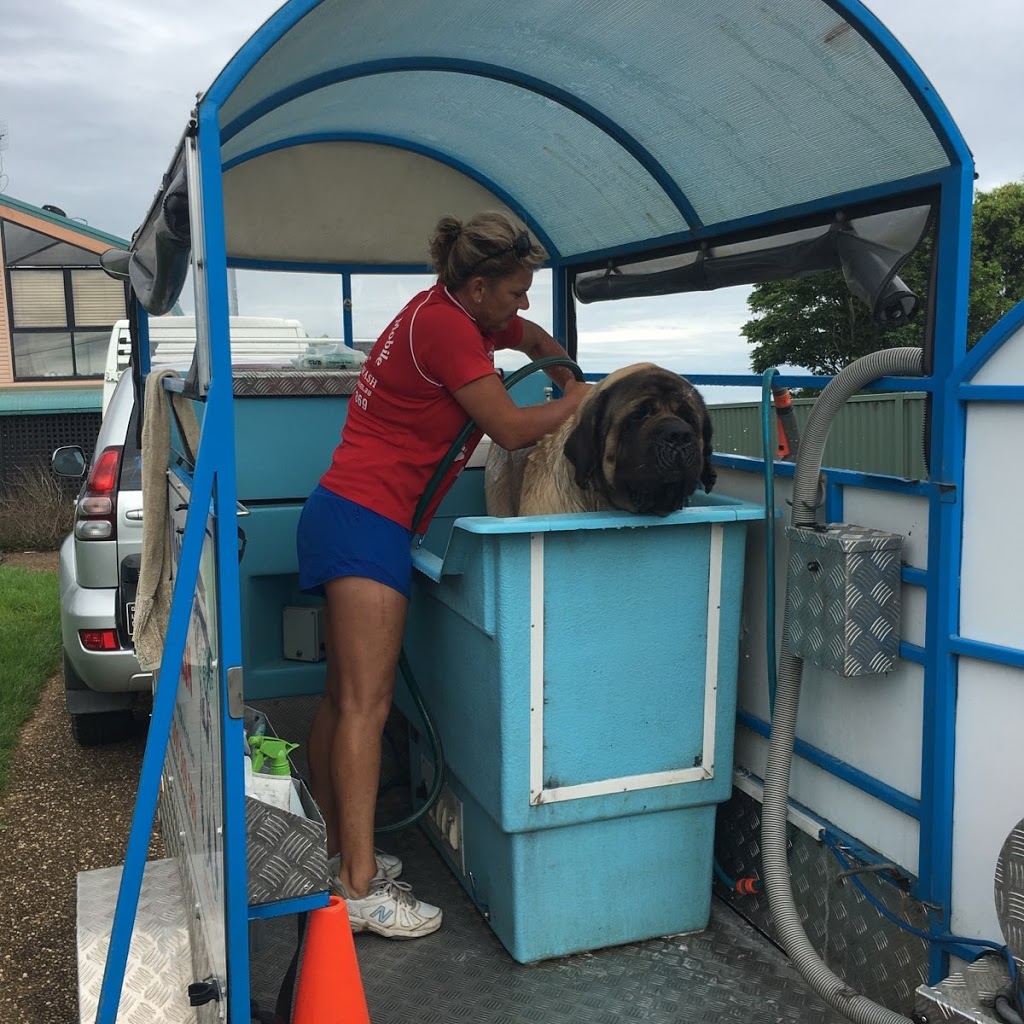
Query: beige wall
{"points": [[6, 362]]}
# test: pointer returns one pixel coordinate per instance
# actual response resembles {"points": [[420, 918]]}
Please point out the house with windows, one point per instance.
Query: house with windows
{"points": [[57, 308]]}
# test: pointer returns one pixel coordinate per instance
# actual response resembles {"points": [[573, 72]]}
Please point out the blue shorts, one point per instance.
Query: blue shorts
{"points": [[336, 537]]}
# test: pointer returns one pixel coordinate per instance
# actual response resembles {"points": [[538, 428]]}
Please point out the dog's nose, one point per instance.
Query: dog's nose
{"points": [[678, 434]]}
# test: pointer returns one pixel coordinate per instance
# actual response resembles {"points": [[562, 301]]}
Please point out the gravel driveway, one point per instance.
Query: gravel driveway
{"points": [[66, 809]]}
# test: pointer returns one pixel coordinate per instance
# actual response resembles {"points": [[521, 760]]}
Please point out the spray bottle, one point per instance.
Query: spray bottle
{"points": [[272, 774]]}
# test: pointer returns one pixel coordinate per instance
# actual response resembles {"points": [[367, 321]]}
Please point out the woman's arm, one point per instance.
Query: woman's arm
{"points": [[489, 405]]}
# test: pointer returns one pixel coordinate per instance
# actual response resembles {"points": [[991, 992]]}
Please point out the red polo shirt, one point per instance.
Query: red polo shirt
{"points": [[402, 418]]}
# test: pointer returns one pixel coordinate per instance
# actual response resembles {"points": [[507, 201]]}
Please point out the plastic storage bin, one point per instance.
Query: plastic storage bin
{"points": [[581, 670]]}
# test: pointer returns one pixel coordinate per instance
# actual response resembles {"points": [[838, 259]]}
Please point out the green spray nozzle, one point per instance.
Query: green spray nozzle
{"points": [[272, 752]]}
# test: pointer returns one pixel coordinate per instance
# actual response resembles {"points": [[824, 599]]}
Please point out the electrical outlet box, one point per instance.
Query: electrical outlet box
{"points": [[303, 633], [444, 819], [843, 597]]}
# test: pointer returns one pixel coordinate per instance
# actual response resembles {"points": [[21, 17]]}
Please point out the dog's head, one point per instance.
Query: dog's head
{"points": [[643, 440]]}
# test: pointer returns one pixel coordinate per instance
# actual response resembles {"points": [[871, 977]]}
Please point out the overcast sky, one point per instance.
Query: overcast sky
{"points": [[94, 95]]}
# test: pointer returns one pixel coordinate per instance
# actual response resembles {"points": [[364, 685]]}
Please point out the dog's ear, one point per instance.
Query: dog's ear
{"points": [[584, 447], [708, 476]]}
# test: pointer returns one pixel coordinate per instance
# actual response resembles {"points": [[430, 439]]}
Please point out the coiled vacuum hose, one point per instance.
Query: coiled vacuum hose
{"points": [[774, 862]]}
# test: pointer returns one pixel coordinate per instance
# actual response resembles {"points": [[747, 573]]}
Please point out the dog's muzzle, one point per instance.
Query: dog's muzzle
{"points": [[675, 451]]}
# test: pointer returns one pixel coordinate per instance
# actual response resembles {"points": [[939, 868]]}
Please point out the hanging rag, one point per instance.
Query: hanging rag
{"points": [[153, 600]]}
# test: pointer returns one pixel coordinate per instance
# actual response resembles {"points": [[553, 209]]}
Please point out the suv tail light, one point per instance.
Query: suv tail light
{"points": [[94, 516], [99, 639]]}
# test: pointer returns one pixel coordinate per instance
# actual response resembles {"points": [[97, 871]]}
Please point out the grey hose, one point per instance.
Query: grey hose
{"points": [[774, 862]]}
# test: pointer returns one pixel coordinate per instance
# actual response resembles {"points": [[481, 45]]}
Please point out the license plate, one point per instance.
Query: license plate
{"points": [[129, 617]]}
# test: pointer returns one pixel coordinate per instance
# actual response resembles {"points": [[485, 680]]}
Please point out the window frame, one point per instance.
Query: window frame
{"points": [[70, 327]]}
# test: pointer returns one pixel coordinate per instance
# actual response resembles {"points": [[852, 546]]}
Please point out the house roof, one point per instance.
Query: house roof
{"points": [[23, 400], [13, 207]]}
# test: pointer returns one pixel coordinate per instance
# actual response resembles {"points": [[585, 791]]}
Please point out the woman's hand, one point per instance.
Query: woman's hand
{"points": [[576, 390]]}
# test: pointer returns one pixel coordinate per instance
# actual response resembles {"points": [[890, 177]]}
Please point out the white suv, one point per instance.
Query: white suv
{"points": [[99, 566], [99, 560]]}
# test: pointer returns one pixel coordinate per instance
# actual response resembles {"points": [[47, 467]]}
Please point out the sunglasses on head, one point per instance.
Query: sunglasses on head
{"points": [[521, 246]]}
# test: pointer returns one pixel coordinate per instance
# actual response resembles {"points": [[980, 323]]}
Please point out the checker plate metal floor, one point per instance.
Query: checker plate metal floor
{"points": [[462, 973]]}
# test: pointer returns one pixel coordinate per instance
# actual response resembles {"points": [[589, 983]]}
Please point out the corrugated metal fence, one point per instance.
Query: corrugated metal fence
{"points": [[872, 434]]}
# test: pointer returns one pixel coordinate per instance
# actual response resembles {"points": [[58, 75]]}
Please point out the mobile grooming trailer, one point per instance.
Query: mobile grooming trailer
{"points": [[652, 148]]}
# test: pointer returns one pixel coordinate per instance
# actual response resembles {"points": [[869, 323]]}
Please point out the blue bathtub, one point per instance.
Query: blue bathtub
{"points": [[581, 670]]}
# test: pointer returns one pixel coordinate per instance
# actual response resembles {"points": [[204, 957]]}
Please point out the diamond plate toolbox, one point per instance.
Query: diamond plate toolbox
{"points": [[843, 597]]}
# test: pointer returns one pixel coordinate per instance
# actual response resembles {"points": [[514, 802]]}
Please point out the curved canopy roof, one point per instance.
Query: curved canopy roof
{"points": [[611, 125], [618, 130]]}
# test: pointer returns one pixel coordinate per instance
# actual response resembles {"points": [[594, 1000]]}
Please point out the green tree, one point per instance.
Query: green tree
{"points": [[816, 323]]}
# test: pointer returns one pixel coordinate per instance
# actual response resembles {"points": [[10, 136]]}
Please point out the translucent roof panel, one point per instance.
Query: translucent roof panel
{"points": [[578, 183], [734, 108]]}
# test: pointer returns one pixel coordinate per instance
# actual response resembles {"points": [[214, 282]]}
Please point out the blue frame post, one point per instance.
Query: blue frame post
{"points": [[346, 308], [945, 525], [219, 417], [156, 747]]}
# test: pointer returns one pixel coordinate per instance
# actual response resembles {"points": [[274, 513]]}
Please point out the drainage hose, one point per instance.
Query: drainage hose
{"points": [[774, 862], [432, 735]]}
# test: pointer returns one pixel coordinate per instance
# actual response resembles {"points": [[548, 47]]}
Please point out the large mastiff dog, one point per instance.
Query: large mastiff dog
{"points": [[639, 442]]}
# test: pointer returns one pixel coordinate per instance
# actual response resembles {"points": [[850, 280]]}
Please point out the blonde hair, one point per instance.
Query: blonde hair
{"points": [[488, 245]]}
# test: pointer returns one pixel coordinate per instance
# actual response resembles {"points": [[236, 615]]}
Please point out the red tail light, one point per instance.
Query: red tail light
{"points": [[99, 639], [94, 518]]}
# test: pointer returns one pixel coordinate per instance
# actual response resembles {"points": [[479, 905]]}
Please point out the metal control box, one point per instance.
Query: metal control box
{"points": [[843, 597], [303, 633]]}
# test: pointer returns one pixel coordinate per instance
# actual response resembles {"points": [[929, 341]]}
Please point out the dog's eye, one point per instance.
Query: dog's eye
{"points": [[640, 412]]}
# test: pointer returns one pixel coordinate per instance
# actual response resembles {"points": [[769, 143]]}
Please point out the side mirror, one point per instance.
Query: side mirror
{"points": [[68, 461]]}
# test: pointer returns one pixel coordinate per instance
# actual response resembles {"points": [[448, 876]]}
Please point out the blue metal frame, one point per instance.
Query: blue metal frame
{"points": [[841, 769], [991, 392], [144, 353], [265, 911], [346, 309], [751, 224], [799, 380], [1012, 657], [843, 477], [156, 746], [479, 69], [991, 342], [395, 142], [219, 428], [381, 269], [945, 531]]}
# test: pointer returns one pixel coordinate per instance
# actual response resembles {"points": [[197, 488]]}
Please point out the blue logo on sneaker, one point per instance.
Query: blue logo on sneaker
{"points": [[382, 914]]}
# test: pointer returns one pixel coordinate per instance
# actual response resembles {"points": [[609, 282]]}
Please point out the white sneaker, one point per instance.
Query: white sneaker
{"points": [[388, 865], [389, 909]]}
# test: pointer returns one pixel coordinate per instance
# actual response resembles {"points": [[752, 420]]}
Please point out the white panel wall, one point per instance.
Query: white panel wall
{"points": [[873, 723], [875, 824], [990, 697], [992, 581], [1007, 365], [989, 793]]}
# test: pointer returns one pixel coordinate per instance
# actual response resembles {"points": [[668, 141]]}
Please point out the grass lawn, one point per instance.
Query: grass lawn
{"points": [[29, 648]]}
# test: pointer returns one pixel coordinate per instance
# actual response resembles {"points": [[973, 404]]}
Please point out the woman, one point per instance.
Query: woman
{"points": [[431, 369]]}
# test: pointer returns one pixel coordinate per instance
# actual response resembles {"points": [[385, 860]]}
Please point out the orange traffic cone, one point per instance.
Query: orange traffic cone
{"points": [[330, 990]]}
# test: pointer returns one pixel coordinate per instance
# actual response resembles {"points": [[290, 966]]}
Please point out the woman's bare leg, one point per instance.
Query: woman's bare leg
{"points": [[318, 749], [365, 621]]}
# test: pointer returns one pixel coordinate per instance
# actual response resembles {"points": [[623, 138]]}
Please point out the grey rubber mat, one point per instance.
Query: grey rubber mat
{"points": [[729, 972], [462, 973]]}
